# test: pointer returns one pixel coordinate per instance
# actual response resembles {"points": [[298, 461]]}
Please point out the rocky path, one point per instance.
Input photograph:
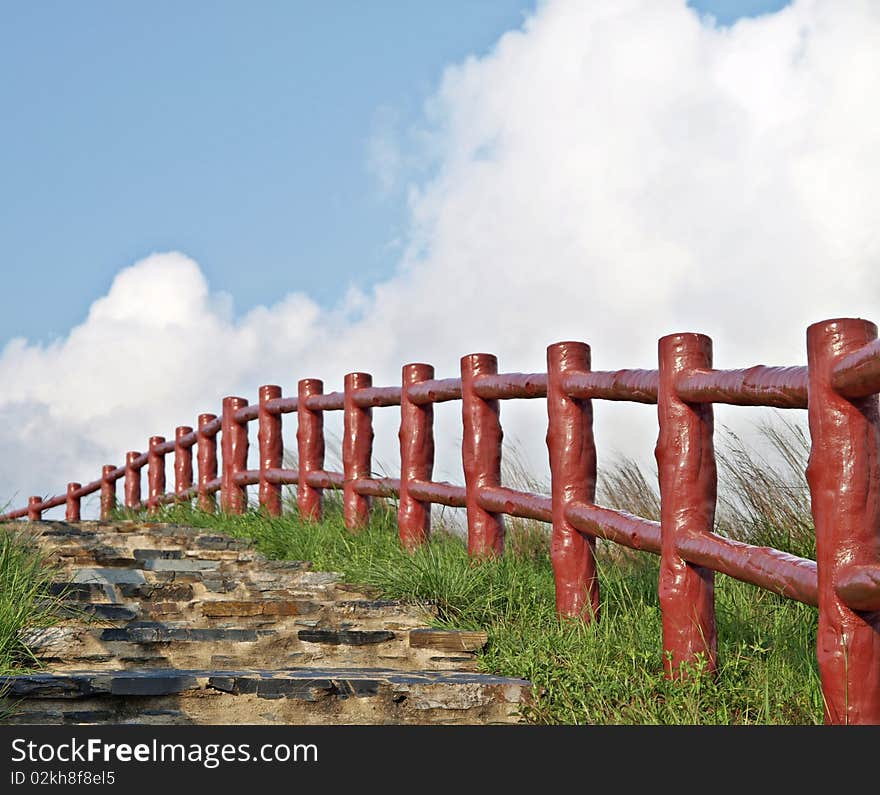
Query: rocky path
{"points": [[167, 624]]}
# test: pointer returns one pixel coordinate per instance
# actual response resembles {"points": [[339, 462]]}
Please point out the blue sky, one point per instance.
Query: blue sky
{"points": [[189, 190], [237, 133]]}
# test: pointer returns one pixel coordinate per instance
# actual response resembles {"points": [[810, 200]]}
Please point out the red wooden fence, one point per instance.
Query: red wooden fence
{"points": [[838, 387]]}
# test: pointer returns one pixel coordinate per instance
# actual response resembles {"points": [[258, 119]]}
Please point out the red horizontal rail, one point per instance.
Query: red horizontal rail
{"points": [[619, 526], [165, 447], [281, 476], [523, 504], [247, 413], [440, 493], [434, 391], [635, 386], [247, 477], [842, 375], [283, 405], [777, 387], [139, 461], [88, 488], [211, 428], [377, 487], [859, 587], [376, 396], [784, 574], [322, 479], [332, 401], [188, 439], [857, 375], [505, 386]]}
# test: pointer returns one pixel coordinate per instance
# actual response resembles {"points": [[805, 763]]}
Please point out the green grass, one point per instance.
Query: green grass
{"points": [[25, 599], [605, 672]]}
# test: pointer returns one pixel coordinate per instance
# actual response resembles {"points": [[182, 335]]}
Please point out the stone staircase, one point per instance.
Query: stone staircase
{"points": [[166, 624]]}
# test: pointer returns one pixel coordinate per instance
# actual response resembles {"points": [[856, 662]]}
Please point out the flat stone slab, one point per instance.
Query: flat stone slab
{"points": [[109, 576], [188, 565], [288, 683], [343, 637]]}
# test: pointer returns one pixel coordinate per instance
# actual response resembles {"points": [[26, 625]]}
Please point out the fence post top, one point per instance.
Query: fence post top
{"points": [[182, 430], [204, 419], [843, 326], [684, 342], [156, 440], [234, 400], [479, 361], [358, 380], [269, 391], [310, 385], [131, 455], [569, 355]]}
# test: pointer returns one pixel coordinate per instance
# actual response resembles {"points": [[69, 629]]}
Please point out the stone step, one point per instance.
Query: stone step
{"points": [[302, 642], [249, 696], [253, 612]]}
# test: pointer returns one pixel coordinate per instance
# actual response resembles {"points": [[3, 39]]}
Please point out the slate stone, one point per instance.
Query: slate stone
{"points": [[154, 554], [109, 576], [185, 566], [156, 683], [345, 637], [88, 716]]}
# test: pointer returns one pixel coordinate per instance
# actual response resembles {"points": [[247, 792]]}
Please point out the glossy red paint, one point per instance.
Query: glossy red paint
{"points": [[271, 449], [132, 486], [688, 482], [635, 386], [572, 454], [525, 504], [416, 437], [858, 373], [844, 478], [108, 491], [357, 451], [618, 526], [481, 455], [183, 459], [310, 449], [780, 387], [72, 509], [439, 493], [155, 473], [838, 386], [234, 453], [207, 461], [35, 509]]}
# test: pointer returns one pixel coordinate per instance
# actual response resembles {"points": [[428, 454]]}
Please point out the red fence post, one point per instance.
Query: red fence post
{"points": [[108, 492], [234, 449], [416, 458], [155, 474], [207, 461], [132, 481], [481, 455], [688, 483], [271, 449], [35, 511], [72, 507], [357, 452], [183, 461], [310, 450], [572, 454], [844, 477]]}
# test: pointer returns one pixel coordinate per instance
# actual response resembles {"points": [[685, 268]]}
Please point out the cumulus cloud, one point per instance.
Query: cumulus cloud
{"points": [[610, 172]]}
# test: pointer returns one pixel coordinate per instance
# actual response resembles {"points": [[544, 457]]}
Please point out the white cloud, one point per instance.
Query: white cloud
{"points": [[611, 172]]}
